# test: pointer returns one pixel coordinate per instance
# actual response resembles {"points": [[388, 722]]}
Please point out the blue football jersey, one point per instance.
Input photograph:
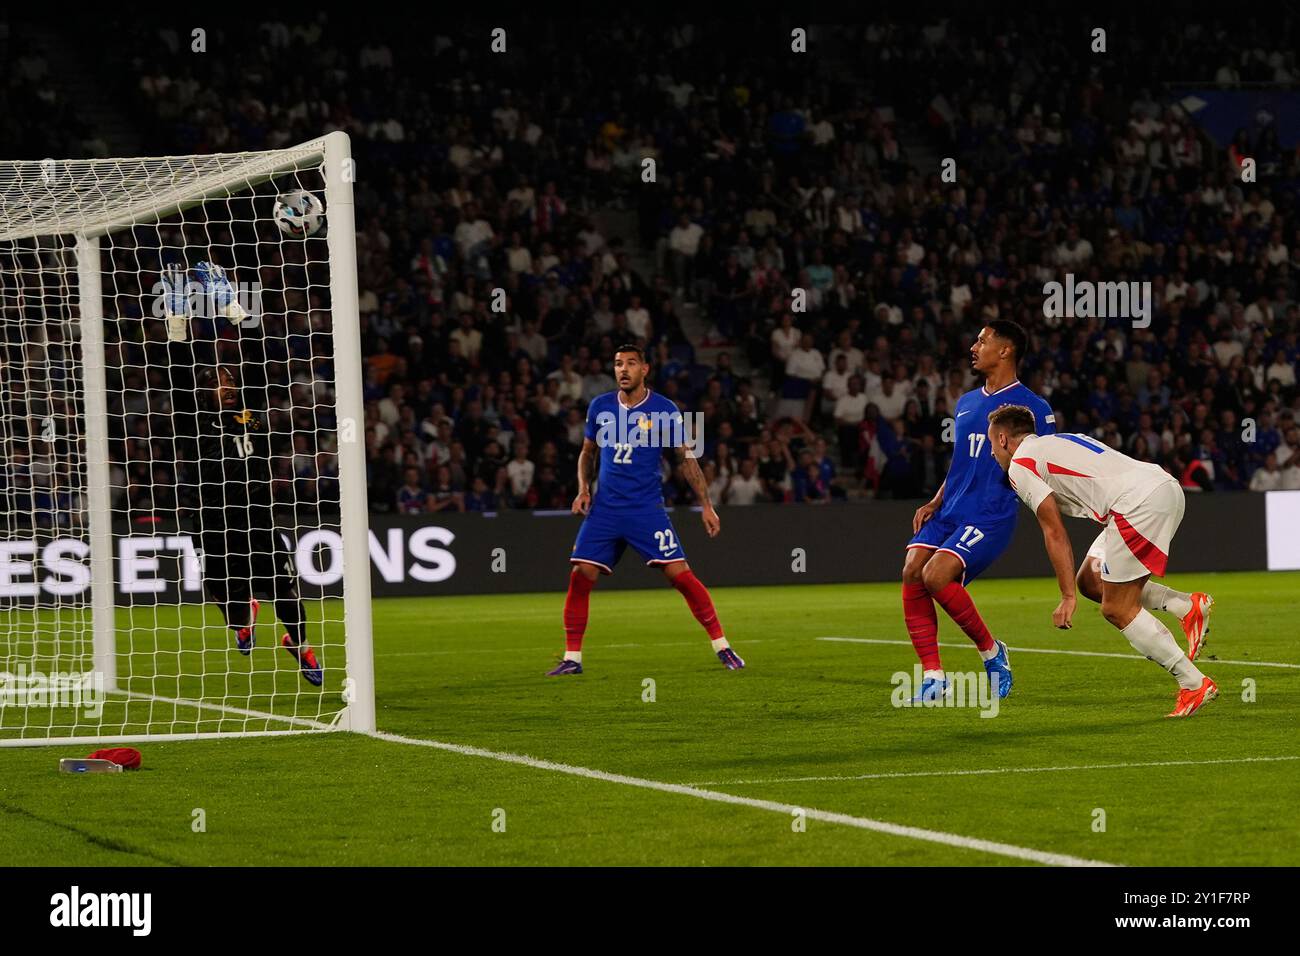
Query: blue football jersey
{"points": [[632, 442], [976, 486]]}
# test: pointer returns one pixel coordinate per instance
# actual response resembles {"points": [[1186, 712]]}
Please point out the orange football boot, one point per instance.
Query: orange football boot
{"points": [[1190, 701], [1196, 623]]}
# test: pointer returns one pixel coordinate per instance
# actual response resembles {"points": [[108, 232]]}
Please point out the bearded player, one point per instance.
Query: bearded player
{"points": [[231, 478], [629, 429], [969, 522], [1141, 507]]}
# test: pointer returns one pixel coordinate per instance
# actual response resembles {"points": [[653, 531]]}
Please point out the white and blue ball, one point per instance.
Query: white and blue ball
{"points": [[299, 214]]}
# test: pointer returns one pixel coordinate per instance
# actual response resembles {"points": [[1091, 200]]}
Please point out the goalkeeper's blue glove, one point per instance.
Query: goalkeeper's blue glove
{"points": [[220, 291], [176, 300]]}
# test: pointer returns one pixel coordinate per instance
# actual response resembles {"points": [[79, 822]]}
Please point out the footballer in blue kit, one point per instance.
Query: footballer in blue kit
{"points": [[960, 532], [629, 508], [627, 431]]}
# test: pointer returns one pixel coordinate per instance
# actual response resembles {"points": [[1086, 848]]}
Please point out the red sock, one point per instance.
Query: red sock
{"points": [[701, 605], [955, 599], [922, 624], [575, 610]]}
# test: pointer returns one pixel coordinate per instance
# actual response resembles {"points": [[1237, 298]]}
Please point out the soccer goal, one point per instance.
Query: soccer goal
{"points": [[184, 544]]}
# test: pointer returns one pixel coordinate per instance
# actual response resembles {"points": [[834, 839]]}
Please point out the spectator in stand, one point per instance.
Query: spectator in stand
{"points": [[1291, 474], [807, 481], [480, 496], [1267, 478], [412, 497], [835, 383], [803, 374], [891, 398], [850, 409], [746, 486], [785, 338], [521, 471], [774, 467], [444, 495], [683, 247]]}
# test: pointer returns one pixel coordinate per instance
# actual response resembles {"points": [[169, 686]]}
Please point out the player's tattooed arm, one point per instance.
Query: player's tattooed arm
{"points": [[586, 472], [700, 485], [694, 476]]}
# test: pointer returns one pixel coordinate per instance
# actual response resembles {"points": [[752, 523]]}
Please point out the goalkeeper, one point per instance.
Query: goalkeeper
{"points": [[231, 472]]}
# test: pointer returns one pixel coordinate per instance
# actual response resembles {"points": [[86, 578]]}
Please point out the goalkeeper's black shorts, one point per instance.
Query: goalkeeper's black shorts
{"points": [[257, 560]]}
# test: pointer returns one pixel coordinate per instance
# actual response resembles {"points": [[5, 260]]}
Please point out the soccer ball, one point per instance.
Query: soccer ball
{"points": [[299, 214]]}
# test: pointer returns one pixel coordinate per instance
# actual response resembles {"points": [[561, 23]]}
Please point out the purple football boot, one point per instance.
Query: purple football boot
{"points": [[730, 659], [565, 666]]}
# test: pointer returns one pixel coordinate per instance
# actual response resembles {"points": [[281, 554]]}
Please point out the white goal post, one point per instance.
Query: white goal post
{"points": [[123, 583]]}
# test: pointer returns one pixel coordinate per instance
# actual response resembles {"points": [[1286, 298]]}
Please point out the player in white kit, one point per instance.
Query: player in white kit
{"points": [[1141, 507]]}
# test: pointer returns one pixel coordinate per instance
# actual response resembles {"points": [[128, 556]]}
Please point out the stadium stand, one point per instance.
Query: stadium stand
{"points": [[773, 173]]}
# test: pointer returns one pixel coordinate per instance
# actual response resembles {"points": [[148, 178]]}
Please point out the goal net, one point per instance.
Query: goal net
{"points": [[184, 548]]}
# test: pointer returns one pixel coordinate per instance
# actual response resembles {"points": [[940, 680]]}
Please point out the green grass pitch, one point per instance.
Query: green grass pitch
{"points": [[809, 723]]}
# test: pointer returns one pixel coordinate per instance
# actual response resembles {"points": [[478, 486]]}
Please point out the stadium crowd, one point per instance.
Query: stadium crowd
{"points": [[478, 172]]}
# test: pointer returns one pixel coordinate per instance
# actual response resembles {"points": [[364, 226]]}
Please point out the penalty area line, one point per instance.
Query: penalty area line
{"points": [[1052, 650], [772, 806]]}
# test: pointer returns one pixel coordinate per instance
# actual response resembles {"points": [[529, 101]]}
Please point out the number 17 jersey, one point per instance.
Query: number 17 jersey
{"points": [[976, 488]]}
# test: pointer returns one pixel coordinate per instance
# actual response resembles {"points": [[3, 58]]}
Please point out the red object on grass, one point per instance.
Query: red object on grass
{"points": [[128, 757]]}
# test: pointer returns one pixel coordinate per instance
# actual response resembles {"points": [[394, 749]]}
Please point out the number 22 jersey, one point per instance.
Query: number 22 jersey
{"points": [[632, 440]]}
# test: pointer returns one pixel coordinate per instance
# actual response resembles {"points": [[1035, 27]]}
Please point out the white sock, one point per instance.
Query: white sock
{"points": [[991, 653], [573, 656], [937, 675], [719, 644], [1160, 597], [1152, 640]]}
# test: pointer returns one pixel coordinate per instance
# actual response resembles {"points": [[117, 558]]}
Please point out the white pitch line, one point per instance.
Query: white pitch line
{"points": [[772, 806], [1054, 650], [548, 647], [305, 725], [305, 722], [993, 771]]}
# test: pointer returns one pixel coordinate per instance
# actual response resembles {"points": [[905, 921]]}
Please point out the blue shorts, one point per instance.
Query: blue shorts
{"points": [[976, 541], [605, 535]]}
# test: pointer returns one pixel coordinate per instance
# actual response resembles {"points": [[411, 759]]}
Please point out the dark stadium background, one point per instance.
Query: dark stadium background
{"points": [[775, 170]]}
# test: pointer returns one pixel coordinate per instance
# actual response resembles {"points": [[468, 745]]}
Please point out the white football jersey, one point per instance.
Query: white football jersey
{"points": [[1090, 479]]}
